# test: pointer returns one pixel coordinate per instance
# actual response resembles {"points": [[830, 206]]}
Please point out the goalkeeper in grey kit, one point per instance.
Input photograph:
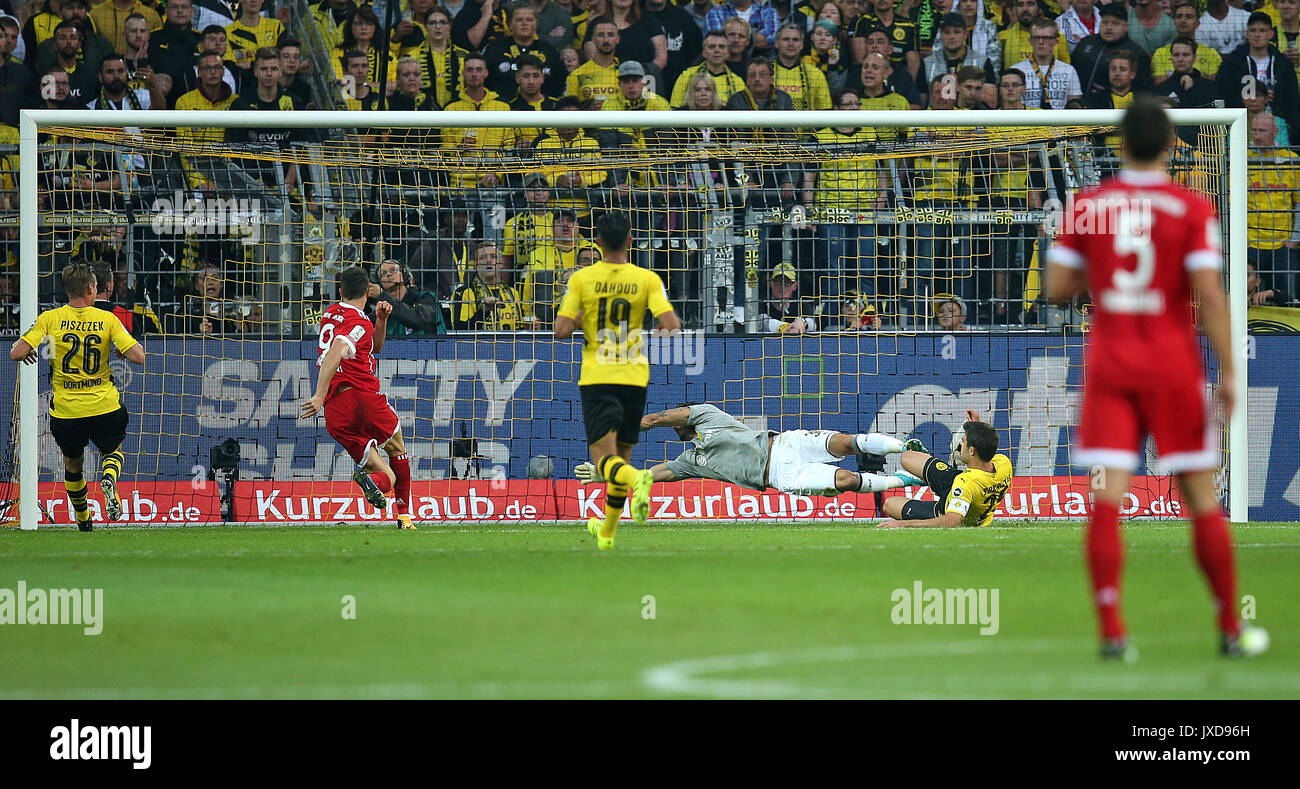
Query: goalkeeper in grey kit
{"points": [[795, 461]]}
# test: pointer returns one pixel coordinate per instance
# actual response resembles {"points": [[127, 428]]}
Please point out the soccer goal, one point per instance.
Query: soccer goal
{"points": [[843, 270]]}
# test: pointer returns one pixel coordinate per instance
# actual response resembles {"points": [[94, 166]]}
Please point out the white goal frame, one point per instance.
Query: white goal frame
{"points": [[31, 121]]}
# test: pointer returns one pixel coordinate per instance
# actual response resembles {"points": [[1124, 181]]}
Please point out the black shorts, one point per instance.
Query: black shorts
{"points": [[939, 475], [607, 407], [106, 430]]}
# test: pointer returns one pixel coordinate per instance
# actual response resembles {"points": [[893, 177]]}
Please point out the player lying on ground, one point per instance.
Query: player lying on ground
{"points": [[608, 299], [87, 406], [1143, 372], [961, 498], [796, 461], [357, 415]]}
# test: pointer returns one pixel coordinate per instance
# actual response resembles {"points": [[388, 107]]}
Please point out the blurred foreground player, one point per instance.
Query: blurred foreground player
{"points": [[1143, 373], [610, 298], [356, 414]]}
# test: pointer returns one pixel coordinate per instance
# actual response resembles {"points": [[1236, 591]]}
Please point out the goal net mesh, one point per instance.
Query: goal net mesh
{"points": [[847, 279]]}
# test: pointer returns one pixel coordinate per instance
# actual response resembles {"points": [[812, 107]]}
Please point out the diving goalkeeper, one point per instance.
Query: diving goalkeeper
{"points": [[796, 461]]}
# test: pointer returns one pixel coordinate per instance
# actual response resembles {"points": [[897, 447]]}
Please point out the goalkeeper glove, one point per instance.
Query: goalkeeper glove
{"points": [[587, 474]]}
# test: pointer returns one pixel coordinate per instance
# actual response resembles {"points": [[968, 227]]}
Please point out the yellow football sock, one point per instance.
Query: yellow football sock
{"points": [[111, 465], [617, 471], [615, 498], [76, 487]]}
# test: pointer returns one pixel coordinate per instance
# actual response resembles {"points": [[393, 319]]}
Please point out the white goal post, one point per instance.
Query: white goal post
{"points": [[32, 121]]}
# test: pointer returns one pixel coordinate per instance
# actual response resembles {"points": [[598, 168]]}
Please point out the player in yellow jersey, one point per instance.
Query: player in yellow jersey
{"points": [[87, 406], [609, 300], [962, 498]]}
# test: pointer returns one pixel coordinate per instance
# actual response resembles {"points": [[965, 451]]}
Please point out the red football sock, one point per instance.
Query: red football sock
{"points": [[401, 466], [381, 479], [1105, 559], [1213, 545]]}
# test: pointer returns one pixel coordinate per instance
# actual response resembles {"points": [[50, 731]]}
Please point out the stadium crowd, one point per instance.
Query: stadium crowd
{"points": [[456, 267]]}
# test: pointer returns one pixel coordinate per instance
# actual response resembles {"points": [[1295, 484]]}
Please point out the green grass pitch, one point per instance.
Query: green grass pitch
{"points": [[536, 612]]}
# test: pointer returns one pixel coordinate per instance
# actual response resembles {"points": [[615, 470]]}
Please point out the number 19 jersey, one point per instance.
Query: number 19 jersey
{"points": [[358, 369], [613, 299], [83, 383]]}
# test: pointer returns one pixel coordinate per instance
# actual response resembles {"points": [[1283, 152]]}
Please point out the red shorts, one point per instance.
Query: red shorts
{"points": [[1117, 417], [355, 418]]}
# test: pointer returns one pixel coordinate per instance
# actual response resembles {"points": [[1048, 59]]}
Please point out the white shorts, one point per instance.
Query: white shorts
{"points": [[798, 463]]}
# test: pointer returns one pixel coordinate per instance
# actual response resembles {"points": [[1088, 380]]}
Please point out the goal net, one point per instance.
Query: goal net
{"points": [[848, 271]]}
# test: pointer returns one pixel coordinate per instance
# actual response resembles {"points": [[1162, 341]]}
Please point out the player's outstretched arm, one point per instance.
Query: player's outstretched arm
{"points": [[673, 417], [1064, 283], [329, 365], [20, 351], [134, 354], [1214, 320], [382, 310], [564, 327], [669, 322], [948, 520]]}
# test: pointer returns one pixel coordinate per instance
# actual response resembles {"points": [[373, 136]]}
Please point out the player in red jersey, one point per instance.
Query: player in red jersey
{"points": [[356, 414], [1141, 243]]}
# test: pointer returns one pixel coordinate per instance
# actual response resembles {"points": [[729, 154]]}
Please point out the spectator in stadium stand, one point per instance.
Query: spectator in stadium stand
{"points": [[212, 93], [114, 94], [1078, 21], [981, 32], [66, 51], [1257, 297], [1187, 86], [1256, 100], [416, 313], [39, 30], [410, 95], [725, 81], [546, 263], [1042, 66], [784, 311], [952, 54], [528, 98], [53, 89], [360, 35], [174, 47], [760, 18], [1288, 29], [740, 44], [950, 314], [559, 145], [410, 32], [597, 79], [1273, 205], [833, 12], [873, 88], [204, 310], [1016, 40], [1121, 70], [927, 14], [251, 32], [1186, 21], [897, 79], [825, 55], [530, 228], [213, 40], [442, 63], [292, 67], [640, 38], [760, 91], [1149, 26], [454, 9], [357, 91], [503, 55], [15, 79], [332, 16], [1260, 59], [478, 25], [109, 18], [1011, 90], [904, 50], [554, 24], [475, 143], [858, 314], [571, 60], [803, 83], [1223, 26], [681, 37], [845, 180], [136, 55], [1093, 52], [488, 302], [267, 96], [699, 13]]}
